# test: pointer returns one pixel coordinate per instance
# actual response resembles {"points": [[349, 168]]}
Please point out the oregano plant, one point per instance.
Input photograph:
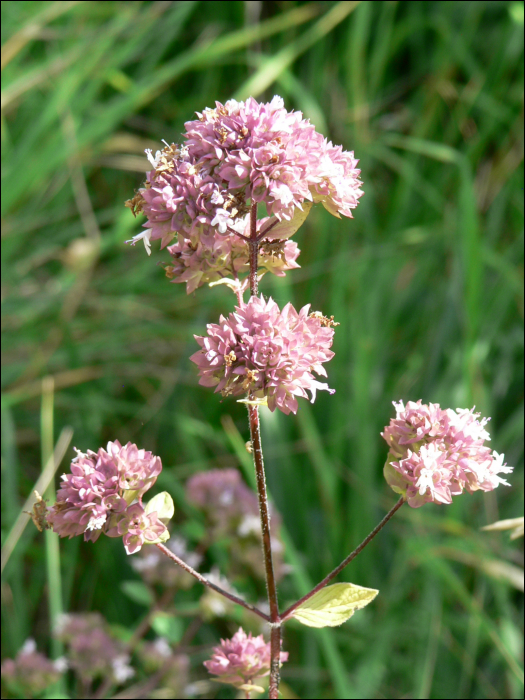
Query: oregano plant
{"points": [[203, 199]]}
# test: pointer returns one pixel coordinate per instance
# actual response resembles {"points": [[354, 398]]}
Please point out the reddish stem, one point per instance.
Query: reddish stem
{"points": [[267, 230], [254, 251], [287, 613], [255, 434], [209, 584]]}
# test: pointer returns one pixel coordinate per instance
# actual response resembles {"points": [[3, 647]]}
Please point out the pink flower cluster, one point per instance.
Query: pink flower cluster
{"points": [[31, 672], [97, 496], [234, 155], [91, 651], [273, 156], [241, 660], [436, 454], [266, 353]]}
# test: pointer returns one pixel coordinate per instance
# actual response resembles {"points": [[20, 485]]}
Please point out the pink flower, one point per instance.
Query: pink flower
{"points": [[436, 454], [137, 527], [266, 353], [241, 660], [95, 495], [273, 156], [236, 154]]}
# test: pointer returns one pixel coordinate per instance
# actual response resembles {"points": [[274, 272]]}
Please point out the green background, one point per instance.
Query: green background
{"points": [[426, 282]]}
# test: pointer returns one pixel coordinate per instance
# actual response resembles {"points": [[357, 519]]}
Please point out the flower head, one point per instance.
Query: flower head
{"points": [[236, 154], [97, 495], [266, 352], [273, 156], [31, 672], [436, 454], [241, 660], [92, 652]]}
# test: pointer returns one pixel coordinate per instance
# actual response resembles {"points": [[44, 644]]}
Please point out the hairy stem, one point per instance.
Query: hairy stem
{"points": [[275, 651], [255, 434], [209, 584], [287, 613], [254, 251]]}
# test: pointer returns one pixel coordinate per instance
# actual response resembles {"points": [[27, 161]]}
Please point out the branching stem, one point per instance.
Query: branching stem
{"points": [[345, 562], [209, 584]]}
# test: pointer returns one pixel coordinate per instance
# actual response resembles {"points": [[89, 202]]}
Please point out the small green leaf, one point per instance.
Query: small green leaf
{"points": [[333, 605], [285, 229], [162, 504], [168, 626], [138, 592]]}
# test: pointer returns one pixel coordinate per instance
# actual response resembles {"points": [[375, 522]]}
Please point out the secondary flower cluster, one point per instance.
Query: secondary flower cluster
{"points": [[436, 454], [92, 654], [91, 651], [241, 660], [31, 672], [232, 516], [267, 353], [235, 155], [99, 495]]}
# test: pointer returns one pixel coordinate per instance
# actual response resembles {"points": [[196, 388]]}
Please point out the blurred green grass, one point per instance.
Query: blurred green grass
{"points": [[426, 282]]}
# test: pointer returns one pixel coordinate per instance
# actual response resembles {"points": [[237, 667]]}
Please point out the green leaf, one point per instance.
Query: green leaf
{"points": [[285, 229], [333, 605], [168, 626], [162, 504], [137, 592]]}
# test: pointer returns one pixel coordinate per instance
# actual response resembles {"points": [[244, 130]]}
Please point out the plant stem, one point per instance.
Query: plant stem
{"points": [[254, 251], [211, 585], [287, 613], [267, 230], [255, 434]]}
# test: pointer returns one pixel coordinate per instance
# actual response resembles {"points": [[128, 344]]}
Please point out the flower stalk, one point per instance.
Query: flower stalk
{"points": [[255, 436], [288, 613], [202, 579], [254, 251]]}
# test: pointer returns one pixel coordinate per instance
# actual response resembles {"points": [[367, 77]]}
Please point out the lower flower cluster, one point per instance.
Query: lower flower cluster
{"points": [[95, 657], [266, 353], [436, 454], [241, 660]]}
